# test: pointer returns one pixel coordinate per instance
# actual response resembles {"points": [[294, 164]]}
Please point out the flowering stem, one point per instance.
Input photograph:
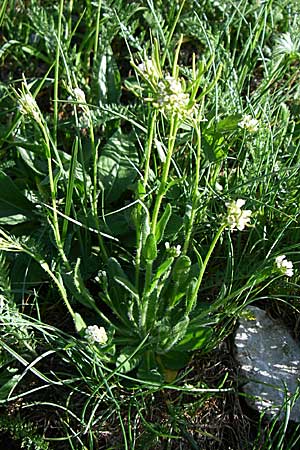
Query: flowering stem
{"points": [[195, 193], [174, 24], [96, 43], [56, 74], [56, 280], [56, 230], [205, 262], [160, 195], [149, 146], [163, 184], [95, 187]]}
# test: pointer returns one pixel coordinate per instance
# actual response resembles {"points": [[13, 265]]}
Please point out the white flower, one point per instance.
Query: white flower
{"points": [[79, 95], [148, 68], [173, 85], [28, 106], [287, 45], [285, 266], [95, 334], [172, 98], [236, 217], [249, 123], [173, 251]]}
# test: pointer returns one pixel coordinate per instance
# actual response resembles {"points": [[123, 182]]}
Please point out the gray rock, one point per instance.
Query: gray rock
{"points": [[270, 361]]}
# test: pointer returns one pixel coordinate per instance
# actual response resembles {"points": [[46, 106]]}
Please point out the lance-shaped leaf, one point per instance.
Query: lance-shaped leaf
{"points": [[14, 206]]}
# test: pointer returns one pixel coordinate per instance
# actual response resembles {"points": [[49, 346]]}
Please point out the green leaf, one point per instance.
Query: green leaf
{"points": [[175, 360], [190, 294], [126, 362], [114, 268], [108, 84], [148, 369], [174, 334], [228, 124], [117, 166], [149, 251], [214, 148], [199, 338], [8, 386], [80, 324], [14, 206], [162, 223], [33, 160], [117, 290], [75, 284], [126, 284], [162, 270], [181, 269]]}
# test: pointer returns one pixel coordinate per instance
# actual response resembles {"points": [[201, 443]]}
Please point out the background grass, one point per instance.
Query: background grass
{"points": [[60, 203]]}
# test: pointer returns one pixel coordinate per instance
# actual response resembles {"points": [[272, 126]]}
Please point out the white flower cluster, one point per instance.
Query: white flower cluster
{"points": [[173, 251], [79, 95], [172, 98], [249, 123], [236, 217], [95, 335], [29, 106], [148, 68], [285, 266]]}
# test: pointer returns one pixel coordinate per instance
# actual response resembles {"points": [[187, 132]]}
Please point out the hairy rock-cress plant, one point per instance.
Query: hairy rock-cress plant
{"points": [[154, 318]]}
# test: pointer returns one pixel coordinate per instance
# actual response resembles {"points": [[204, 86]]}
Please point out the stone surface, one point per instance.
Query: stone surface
{"points": [[270, 360]]}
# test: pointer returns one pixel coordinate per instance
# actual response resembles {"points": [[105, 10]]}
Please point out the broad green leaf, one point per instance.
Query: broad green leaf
{"points": [[191, 298], [117, 290], [199, 338], [126, 362], [175, 334], [175, 360], [14, 206], [149, 368], [117, 166], [153, 298], [213, 147], [33, 160], [228, 124]]}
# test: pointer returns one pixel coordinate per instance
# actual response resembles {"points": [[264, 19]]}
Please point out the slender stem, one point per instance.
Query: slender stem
{"points": [[160, 195], [59, 285], [195, 192], [205, 262], [56, 71], [170, 35], [70, 188], [70, 17], [96, 43], [148, 275], [149, 145], [95, 187], [164, 179], [55, 222]]}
